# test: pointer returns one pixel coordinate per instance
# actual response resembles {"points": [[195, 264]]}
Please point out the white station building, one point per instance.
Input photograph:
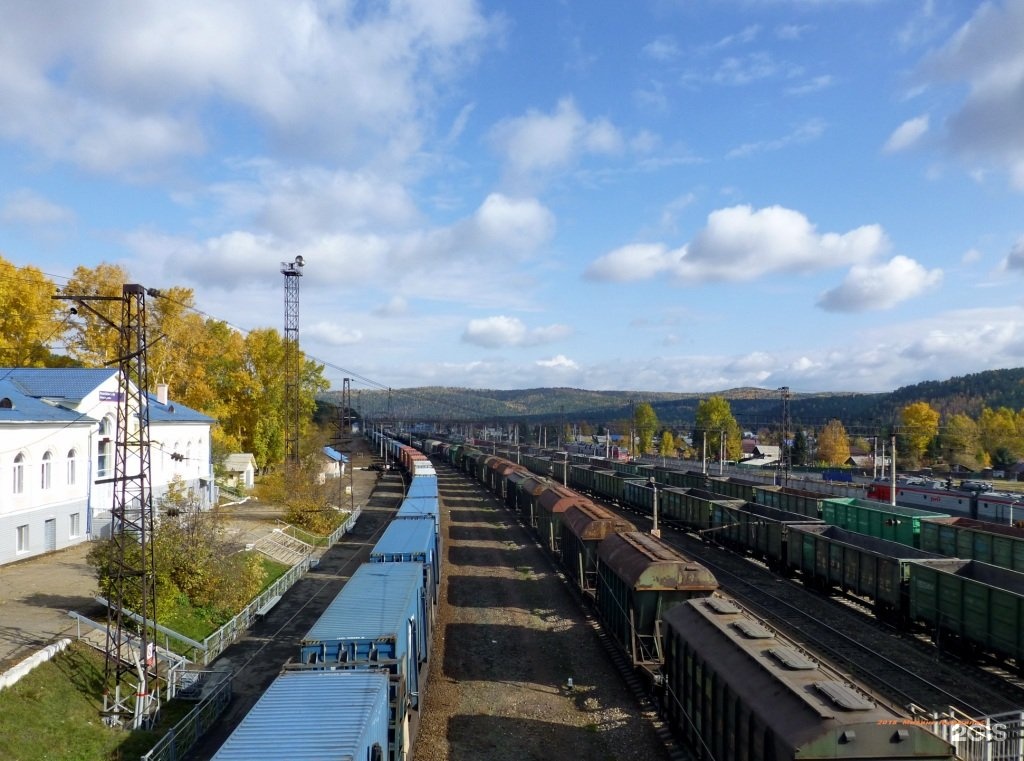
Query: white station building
{"points": [[57, 450]]}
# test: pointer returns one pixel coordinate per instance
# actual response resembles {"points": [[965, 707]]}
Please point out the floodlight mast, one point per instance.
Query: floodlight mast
{"points": [[292, 271]]}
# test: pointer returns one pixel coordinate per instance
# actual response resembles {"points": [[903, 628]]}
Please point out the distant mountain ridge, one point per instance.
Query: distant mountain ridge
{"points": [[753, 407]]}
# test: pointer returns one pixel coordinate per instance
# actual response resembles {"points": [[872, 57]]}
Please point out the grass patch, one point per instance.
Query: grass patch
{"points": [[199, 623], [53, 714]]}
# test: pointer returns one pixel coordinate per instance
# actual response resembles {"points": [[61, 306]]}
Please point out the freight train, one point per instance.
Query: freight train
{"points": [[874, 552], [355, 690], [731, 686]]}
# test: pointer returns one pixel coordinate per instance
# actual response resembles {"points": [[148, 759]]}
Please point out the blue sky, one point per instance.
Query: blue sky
{"points": [[659, 195]]}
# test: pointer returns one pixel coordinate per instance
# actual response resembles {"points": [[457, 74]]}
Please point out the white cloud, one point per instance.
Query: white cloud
{"points": [[115, 89], [740, 244], [987, 54], [539, 142], [804, 133], [395, 307], [815, 84], [791, 31], [874, 287], [662, 49], [502, 331], [907, 134], [636, 261], [25, 207], [331, 334], [558, 362]]}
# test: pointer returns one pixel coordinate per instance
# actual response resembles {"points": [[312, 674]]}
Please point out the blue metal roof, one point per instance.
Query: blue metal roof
{"points": [[335, 455], [69, 385], [28, 409], [374, 603], [314, 716], [405, 538]]}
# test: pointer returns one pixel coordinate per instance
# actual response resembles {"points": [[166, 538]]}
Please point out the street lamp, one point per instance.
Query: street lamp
{"points": [[654, 504]]}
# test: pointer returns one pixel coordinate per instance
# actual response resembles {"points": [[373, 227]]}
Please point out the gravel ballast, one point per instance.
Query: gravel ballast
{"points": [[510, 637]]}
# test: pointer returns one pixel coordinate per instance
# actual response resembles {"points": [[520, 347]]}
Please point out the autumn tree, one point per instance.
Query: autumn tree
{"points": [[30, 320], [921, 425], [960, 442], [93, 338], [645, 422], [833, 444], [667, 444], [999, 430], [715, 423]]}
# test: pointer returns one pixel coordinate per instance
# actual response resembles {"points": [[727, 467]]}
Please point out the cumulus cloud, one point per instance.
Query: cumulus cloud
{"points": [[907, 134], [331, 334], [880, 286], [25, 207], [740, 243], [1014, 261], [309, 200], [543, 142], [986, 54], [502, 331], [114, 89]]}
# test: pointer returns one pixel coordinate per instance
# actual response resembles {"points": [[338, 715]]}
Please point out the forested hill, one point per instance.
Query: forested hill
{"points": [[752, 407]]}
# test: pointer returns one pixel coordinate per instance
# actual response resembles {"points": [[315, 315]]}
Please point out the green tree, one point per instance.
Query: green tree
{"points": [[800, 452], [833, 444], [921, 425], [645, 422], [715, 423]]}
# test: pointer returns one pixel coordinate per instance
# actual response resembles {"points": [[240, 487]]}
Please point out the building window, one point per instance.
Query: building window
{"points": [[19, 476], [106, 447], [23, 538], [44, 471], [76, 524], [72, 456]]}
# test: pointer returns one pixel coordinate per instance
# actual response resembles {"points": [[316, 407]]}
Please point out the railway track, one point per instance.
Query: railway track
{"points": [[900, 670]]}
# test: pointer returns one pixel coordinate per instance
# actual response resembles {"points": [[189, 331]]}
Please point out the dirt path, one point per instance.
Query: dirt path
{"points": [[513, 636]]}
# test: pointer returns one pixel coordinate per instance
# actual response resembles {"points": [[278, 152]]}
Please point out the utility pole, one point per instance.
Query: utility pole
{"points": [[786, 458]]}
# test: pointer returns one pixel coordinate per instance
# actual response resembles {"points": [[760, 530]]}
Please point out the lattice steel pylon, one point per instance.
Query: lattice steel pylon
{"points": [[292, 271], [133, 571]]}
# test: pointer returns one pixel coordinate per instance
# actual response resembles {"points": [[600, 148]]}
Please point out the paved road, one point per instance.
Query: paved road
{"points": [[36, 595]]}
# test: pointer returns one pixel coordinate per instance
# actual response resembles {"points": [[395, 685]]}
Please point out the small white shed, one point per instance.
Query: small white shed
{"points": [[240, 470]]}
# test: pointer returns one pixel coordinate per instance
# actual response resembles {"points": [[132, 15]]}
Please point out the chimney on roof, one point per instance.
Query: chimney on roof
{"points": [[161, 393]]}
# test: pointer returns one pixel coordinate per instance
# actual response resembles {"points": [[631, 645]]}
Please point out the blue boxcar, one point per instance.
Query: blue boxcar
{"points": [[378, 620], [412, 540], [422, 486], [315, 714]]}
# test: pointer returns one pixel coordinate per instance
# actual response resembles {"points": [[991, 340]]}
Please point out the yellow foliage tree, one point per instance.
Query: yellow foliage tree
{"points": [[921, 424], [833, 444]]}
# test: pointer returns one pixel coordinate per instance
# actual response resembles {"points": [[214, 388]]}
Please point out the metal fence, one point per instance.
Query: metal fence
{"points": [[187, 732]]}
